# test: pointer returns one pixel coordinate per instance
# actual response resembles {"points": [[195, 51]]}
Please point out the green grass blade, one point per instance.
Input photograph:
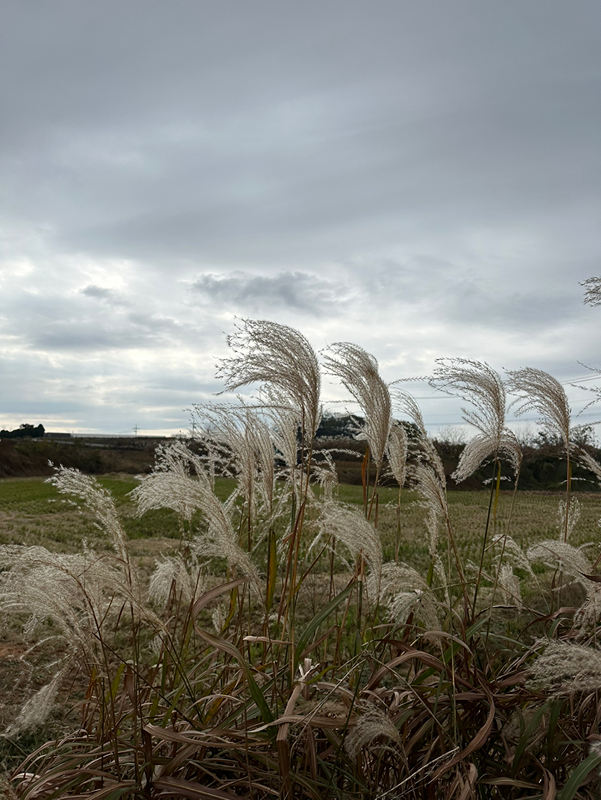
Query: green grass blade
{"points": [[578, 776], [317, 620]]}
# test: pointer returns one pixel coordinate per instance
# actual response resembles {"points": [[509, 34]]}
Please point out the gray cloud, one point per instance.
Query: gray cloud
{"points": [[299, 291], [422, 178]]}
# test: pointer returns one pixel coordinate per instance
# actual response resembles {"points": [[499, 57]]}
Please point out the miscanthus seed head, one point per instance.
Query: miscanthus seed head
{"points": [[71, 481], [278, 357], [171, 485], [37, 709], [397, 450], [243, 440], [565, 668], [588, 615], [372, 725], [573, 511], [351, 529], [403, 591], [543, 394], [175, 572], [478, 384], [77, 592], [358, 371], [560, 555]]}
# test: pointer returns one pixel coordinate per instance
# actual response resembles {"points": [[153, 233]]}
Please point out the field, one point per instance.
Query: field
{"points": [[234, 623], [33, 512]]}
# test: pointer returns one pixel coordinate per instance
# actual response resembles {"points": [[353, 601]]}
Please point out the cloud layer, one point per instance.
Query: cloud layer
{"points": [[421, 178]]}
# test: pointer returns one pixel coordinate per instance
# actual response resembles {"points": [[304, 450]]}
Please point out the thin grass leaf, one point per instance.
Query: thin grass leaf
{"points": [[317, 620], [578, 776]]}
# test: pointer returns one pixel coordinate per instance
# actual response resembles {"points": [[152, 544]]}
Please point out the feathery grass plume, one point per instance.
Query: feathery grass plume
{"points": [[587, 617], [175, 571], [177, 481], [592, 293], [565, 668], [426, 452], [590, 463], [513, 553], [77, 592], [351, 529], [69, 480], [571, 514], [171, 485], [277, 356], [429, 477], [372, 724], [396, 450], [325, 473], [245, 445], [358, 371], [542, 393], [560, 555], [508, 586], [403, 590], [36, 710], [478, 384], [286, 425]]}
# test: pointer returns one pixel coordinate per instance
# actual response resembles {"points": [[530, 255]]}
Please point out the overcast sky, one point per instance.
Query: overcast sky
{"points": [[421, 178]]}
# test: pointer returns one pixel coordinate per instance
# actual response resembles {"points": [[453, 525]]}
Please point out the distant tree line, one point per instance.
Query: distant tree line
{"points": [[543, 467], [26, 429]]}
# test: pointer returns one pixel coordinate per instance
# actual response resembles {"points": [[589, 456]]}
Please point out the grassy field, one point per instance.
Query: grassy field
{"points": [[32, 512]]}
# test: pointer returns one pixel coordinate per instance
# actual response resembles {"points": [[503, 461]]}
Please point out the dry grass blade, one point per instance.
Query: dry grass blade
{"points": [[177, 787]]}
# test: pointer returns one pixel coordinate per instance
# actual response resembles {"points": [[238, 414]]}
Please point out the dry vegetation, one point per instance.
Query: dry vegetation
{"points": [[238, 625]]}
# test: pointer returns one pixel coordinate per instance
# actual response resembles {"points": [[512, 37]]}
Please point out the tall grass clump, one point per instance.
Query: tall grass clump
{"points": [[284, 648]]}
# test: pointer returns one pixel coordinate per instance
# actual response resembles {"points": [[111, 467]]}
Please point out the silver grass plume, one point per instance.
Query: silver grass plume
{"points": [[592, 294], [565, 668], [477, 383], [71, 481], [588, 615], [561, 555], [403, 590], [286, 422], [568, 516], [396, 450], [351, 529], [180, 481], [325, 473], [508, 587], [358, 371], [513, 553], [175, 572], [425, 450], [427, 472], [542, 393], [76, 591], [245, 444], [371, 725], [280, 357], [37, 709]]}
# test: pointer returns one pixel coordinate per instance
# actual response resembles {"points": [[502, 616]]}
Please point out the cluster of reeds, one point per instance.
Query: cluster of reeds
{"points": [[283, 650]]}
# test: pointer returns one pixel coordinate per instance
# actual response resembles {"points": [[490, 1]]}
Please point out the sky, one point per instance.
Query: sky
{"points": [[421, 178]]}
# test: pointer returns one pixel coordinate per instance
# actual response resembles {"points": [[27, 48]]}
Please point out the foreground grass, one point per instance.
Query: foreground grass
{"points": [[33, 513]]}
